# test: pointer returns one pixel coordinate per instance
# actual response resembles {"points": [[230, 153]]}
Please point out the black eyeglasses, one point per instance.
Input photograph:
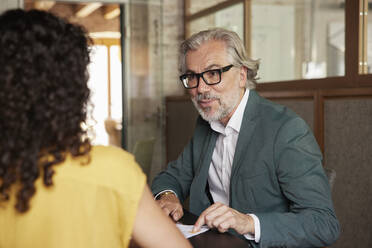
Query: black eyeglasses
{"points": [[210, 77]]}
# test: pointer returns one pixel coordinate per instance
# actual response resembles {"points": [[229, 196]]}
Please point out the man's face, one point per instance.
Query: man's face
{"points": [[215, 102]]}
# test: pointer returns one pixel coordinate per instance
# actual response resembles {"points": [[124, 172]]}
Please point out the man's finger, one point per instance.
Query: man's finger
{"points": [[161, 204], [177, 213], [223, 222], [222, 227], [166, 210], [201, 220], [208, 215]]}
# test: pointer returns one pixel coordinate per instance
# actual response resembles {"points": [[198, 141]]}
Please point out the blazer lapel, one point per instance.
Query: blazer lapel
{"points": [[199, 199], [246, 131], [206, 157]]}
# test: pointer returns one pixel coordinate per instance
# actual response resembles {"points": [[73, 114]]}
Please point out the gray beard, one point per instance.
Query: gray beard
{"points": [[227, 105]]}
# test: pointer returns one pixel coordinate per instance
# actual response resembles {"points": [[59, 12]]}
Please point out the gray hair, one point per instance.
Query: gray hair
{"points": [[235, 50]]}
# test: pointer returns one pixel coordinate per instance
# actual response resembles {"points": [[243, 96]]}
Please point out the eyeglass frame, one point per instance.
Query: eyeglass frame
{"points": [[200, 75]]}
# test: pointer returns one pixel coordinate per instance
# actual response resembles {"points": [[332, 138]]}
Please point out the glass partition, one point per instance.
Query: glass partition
{"points": [[143, 94], [231, 18], [365, 37], [294, 40], [194, 6], [369, 35], [298, 39]]}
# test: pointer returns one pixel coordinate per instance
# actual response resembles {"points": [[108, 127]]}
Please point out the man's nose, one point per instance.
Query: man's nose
{"points": [[202, 86]]}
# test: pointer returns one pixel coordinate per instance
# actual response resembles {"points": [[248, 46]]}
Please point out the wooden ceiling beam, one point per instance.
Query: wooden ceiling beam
{"points": [[84, 10], [111, 11], [44, 5]]}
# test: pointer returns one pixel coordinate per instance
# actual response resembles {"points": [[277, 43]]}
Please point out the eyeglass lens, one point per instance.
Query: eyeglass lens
{"points": [[209, 77]]}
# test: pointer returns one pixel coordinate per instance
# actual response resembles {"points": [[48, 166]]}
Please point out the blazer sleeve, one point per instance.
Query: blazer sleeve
{"points": [[311, 220], [178, 175]]}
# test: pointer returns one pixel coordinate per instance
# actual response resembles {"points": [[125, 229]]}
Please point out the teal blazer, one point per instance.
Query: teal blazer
{"points": [[277, 174]]}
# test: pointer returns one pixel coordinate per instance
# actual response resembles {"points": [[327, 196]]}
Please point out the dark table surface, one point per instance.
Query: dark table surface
{"points": [[212, 238]]}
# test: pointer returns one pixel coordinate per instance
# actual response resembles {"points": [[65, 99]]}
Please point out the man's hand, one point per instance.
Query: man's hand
{"points": [[222, 217], [171, 206]]}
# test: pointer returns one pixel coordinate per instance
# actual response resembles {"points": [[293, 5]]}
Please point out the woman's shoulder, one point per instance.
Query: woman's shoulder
{"points": [[106, 165], [113, 158], [111, 152]]}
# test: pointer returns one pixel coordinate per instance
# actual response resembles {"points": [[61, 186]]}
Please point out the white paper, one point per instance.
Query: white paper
{"points": [[187, 230]]}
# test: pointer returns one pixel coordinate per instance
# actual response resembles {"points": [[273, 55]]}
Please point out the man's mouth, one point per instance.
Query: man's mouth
{"points": [[205, 103]]}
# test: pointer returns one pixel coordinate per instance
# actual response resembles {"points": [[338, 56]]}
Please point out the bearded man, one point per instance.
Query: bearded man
{"points": [[252, 167]]}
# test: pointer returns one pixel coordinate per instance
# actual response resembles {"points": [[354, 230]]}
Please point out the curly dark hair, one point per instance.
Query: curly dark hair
{"points": [[43, 98]]}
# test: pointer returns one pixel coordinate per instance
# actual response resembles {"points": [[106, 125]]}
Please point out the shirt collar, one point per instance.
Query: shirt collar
{"points": [[235, 121]]}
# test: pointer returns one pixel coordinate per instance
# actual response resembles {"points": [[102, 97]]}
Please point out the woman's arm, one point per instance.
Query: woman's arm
{"points": [[152, 228]]}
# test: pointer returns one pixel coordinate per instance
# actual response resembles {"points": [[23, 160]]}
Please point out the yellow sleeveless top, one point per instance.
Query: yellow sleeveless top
{"points": [[92, 205]]}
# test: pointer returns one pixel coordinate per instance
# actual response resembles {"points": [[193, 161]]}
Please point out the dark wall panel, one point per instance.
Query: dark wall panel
{"points": [[303, 107], [348, 136], [181, 120]]}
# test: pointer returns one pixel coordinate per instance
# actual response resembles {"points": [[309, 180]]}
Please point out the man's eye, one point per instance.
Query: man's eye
{"points": [[190, 76], [212, 73]]}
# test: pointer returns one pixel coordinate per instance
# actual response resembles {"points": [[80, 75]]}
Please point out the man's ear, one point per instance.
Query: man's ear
{"points": [[243, 76]]}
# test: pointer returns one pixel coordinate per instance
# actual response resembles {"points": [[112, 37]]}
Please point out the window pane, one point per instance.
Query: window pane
{"points": [[198, 5], [116, 83], [298, 39], [369, 37], [231, 18], [98, 86]]}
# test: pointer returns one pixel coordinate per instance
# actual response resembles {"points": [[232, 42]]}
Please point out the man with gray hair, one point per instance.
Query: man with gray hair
{"points": [[252, 167]]}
